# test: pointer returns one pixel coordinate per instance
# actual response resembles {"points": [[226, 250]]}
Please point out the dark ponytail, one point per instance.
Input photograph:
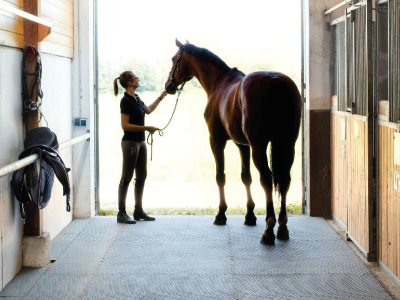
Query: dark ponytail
{"points": [[116, 86], [123, 78]]}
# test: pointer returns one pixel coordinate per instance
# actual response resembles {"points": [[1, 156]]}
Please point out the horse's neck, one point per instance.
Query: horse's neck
{"points": [[209, 77]]}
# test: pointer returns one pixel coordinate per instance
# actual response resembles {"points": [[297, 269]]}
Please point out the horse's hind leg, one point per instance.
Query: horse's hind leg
{"points": [[282, 161], [261, 163], [250, 218], [217, 148]]}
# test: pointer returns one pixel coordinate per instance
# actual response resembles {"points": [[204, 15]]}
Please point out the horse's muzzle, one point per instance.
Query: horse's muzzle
{"points": [[170, 87]]}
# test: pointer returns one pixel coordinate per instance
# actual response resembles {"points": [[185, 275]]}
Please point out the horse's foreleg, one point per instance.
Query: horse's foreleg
{"points": [[250, 218], [261, 163], [217, 148]]}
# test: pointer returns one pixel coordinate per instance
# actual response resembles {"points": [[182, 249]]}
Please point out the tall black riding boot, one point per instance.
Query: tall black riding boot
{"points": [[123, 217], [139, 214]]}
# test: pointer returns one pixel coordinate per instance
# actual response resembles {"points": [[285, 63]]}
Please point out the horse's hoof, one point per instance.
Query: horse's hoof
{"points": [[220, 220], [250, 220], [268, 239], [283, 233]]}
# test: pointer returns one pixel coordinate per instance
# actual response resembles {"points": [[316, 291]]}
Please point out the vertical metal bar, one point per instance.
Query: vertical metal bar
{"points": [[390, 59], [304, 159], [353, 63], [96, 111], [371, 251], [346, 83]]}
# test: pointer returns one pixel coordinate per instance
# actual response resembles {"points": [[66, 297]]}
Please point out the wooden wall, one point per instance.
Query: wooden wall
{"points": [[349, 175], [339, 168], [12, 26], [389, 202], [61, 39], [357, 178], [59, 42]]}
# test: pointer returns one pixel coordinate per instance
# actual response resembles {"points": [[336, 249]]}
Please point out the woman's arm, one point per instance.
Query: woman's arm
{"points": [[149, 109], [134, 128]]}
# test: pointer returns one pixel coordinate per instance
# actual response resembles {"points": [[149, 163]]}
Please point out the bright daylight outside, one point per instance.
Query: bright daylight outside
{"points": [[253, 35]]}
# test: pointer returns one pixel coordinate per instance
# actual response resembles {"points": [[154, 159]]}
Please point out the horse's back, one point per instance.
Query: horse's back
{"points": [[271, 103]]}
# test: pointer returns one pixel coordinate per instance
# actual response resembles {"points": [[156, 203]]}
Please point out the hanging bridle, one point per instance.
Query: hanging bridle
{"points": [[176, 68]]}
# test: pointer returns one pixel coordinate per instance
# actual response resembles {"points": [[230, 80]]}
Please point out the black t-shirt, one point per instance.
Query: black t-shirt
{"points": [[135, 110]]}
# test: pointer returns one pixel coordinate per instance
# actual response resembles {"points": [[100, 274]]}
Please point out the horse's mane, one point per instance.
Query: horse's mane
{"points": [[206, 55]]}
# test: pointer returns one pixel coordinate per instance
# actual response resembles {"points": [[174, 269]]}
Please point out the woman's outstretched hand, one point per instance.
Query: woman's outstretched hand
{"points": [[151, 129], [163, 94]]}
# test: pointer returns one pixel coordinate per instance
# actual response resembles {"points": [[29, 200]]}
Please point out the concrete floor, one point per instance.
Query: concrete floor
{"points": [[179, 257]]}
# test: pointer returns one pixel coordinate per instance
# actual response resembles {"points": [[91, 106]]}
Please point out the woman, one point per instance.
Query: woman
{"points": [[134, 149]]}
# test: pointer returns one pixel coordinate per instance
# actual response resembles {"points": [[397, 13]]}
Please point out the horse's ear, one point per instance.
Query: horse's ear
{"points": [[178, 43], [187, 42]]}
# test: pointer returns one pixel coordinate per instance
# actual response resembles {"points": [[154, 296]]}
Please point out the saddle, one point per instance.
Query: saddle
{"points": [[34, 182]]}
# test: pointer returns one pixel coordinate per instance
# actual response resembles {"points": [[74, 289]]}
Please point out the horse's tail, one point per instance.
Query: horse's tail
{"points": [[283, 144], [281, 161]]}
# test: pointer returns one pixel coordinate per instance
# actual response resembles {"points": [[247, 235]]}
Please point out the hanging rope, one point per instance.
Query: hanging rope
{"points": [[160, 130]]}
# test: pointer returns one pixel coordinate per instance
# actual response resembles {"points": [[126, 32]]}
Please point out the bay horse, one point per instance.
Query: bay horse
{"points": [[251, 110]]}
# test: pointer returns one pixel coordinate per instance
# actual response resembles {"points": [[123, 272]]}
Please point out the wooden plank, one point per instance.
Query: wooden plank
{"points": [[59, 39], [358, 182], [11, 39], [52, 13], [397, 201], [382, 153], [55, 49], [19, 3], [62, 29], [63, 5], [381, 191], [391, 216], [11, 24]]}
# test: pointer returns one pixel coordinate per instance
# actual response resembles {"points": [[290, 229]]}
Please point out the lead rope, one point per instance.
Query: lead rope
{"points": [[160, 130]]}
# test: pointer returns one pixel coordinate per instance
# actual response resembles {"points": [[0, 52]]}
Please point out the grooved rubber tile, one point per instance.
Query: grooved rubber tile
{"points": [[23, 282], [295, 257], [167, 257], [190, 258], [300, 228], [58, 286], [176, 229], [60, 243], [315, 287], [76, 226], [161, 287], [83, 256]]}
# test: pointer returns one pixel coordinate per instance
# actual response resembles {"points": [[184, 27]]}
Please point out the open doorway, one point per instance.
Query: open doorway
{"points": [[140, 36]]}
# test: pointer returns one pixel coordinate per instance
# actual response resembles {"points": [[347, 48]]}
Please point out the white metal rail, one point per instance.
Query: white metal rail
{"points": [[32, 158]]}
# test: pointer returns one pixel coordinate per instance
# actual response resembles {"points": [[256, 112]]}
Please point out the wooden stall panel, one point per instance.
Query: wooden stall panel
{"points": [[357, 181], [11, 26], [61, 40], [339, 167], [389, 199]]}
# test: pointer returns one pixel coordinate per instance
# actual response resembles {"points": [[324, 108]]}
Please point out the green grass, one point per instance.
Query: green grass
{"points": [[292, 209]]}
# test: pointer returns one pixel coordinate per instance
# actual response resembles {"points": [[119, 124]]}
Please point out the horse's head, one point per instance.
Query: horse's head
{"points": [[179, 73]]}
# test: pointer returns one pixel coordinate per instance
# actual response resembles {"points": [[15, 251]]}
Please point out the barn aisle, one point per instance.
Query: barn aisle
{"points": [[187, 257]]}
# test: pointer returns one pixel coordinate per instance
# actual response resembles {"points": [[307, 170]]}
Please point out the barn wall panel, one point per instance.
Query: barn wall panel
{"points": [[339, 167], [357, 181], [389, 202]]}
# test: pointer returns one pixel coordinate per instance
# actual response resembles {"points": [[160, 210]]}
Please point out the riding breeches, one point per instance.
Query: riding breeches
{"points": [[134, 156]]}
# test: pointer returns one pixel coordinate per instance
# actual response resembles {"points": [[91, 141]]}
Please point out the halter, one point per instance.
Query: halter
{"points": [[176, 67]]}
